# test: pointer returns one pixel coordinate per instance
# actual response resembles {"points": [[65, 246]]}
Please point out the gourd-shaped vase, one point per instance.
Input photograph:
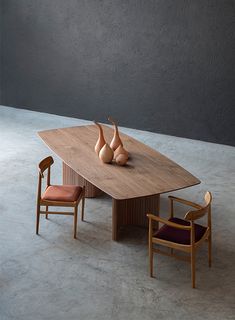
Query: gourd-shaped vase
{"points": [[121, 159], [106, 154], [120, 150], [116, 141], [101, 141]]}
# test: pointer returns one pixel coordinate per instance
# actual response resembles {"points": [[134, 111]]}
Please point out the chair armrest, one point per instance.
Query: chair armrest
{"points": [[167, 222], [186, 202]]}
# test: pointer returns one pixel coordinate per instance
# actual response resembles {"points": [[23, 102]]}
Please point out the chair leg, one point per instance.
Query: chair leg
{"points": [[37, 218], [151, 263], [75, 222], [150, 258], [46, 213], [150, 244], [193, 271], [83, 205], [209, 251]]}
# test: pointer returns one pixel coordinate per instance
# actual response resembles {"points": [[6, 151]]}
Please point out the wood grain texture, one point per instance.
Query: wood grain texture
{"points": [[147, 173]]}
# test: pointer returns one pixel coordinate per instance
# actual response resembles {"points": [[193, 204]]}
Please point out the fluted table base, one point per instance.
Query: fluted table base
{"points": [[133, 212], [124, 212], [72, 177]]}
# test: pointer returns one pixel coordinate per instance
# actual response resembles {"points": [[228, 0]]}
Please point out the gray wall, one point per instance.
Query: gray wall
{"points": [[165, 66]]}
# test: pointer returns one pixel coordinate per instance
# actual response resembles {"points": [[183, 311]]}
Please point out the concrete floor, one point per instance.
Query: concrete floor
{"points": [[52, 276]]}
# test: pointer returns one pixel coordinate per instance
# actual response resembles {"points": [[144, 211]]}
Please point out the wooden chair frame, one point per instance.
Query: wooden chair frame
{"points": [[44, 165], [191, 216]]}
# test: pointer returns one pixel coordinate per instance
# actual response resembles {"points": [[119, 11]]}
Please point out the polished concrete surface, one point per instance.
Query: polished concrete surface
{"points": [[53, 276]]}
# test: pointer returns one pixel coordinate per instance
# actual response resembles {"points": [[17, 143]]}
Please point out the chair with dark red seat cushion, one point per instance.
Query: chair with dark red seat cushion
{"points": [[58, 195], [182, 234], [177, 235]]}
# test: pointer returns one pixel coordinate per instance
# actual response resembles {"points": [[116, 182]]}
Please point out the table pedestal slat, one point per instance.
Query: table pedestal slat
{"points": [[133, 212], [72, 177]]}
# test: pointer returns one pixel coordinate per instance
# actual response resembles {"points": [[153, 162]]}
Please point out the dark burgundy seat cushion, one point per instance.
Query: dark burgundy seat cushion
{"points": [[178, 235], [65, 193]]}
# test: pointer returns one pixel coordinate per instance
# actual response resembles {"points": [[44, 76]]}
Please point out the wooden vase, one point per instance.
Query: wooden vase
{"points": [[116, 141], [121, 159], [101, 141], [120, 150], [106, 154]]}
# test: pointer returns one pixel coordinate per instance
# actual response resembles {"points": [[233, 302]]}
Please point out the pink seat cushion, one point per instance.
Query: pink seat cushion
{"points": [[178, 235], [66, 193]]}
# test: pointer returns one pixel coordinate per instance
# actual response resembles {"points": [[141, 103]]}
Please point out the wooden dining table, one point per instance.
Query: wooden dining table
{"points": [[135, 188]]}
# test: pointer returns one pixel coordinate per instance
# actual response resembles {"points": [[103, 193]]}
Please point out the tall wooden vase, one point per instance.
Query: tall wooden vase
{"points": [[106, 154], [116, 141], [101, 141]]}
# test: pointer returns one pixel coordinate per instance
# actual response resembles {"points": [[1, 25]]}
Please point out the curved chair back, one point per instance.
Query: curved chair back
{"points": [[199, 213], [45, 164]]}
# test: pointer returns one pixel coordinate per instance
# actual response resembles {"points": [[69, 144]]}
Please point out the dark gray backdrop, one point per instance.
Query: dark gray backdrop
{"points": [[165, 65]]}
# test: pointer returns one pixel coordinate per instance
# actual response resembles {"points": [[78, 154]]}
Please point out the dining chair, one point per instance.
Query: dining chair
{"points": [[181, 234], [57, 196]]}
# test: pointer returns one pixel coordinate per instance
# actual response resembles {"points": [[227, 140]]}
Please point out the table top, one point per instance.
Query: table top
{"points": [[147, 172]]}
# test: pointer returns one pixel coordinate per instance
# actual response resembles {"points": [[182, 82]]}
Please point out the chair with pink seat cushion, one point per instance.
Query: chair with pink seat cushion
{"points": [[58, 196], [181, 234], [62, 193]]}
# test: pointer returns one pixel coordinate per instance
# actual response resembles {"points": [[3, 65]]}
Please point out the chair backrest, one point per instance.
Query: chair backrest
{"points": [[45, 164], [199, 213]]}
